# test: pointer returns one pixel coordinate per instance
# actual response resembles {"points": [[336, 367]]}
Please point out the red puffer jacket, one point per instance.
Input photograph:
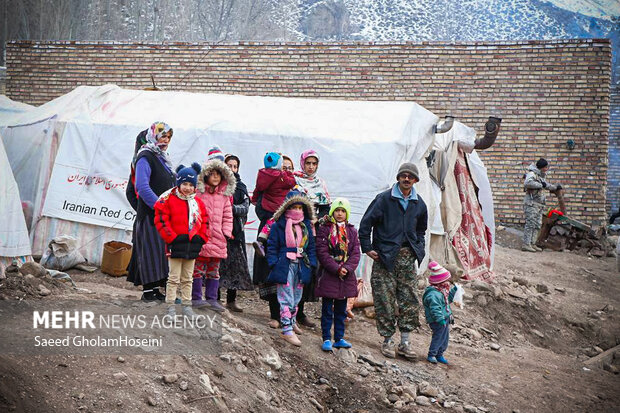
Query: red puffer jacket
{"points": [[172, 222], [274, 184]]}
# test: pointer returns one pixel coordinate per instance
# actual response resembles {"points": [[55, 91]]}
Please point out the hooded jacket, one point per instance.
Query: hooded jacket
{"points": [[218, 207], [276, 243], [534, 186], [273, 184], [329, 284]]}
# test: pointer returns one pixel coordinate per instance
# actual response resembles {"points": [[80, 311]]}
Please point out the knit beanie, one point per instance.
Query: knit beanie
{"points": [[215, 153], [541, 163], [273, 160], [188, 174], [340, 203], [409, 168], [438, 273]]}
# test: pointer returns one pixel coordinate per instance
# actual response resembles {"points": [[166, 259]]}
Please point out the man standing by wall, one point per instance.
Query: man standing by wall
{"points": [[534, 202], [397, 219]]}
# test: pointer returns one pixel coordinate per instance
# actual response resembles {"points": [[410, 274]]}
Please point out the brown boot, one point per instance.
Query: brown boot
{"points": [[388, 349], [527, 247], [234, 307], [291, 338], [405, 350], [297, 330], [274, 324]]}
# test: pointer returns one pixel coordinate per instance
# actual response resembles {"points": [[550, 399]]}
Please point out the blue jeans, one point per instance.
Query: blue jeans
{"points": [[439, 342], [289, 295], [333, 311]]}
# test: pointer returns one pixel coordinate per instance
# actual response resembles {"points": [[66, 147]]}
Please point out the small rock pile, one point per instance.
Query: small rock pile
{"points": [[28, 281]]}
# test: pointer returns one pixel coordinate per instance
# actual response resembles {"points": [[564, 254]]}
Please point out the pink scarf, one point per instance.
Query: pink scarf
{"points": [[293, 218]]}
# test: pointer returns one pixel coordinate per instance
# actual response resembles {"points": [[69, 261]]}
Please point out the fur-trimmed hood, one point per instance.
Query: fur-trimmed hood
{"points": [[227, 185], [296, 197]]}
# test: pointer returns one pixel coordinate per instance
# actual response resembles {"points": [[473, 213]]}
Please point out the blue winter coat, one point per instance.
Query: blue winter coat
{"points": [[276, 254]]}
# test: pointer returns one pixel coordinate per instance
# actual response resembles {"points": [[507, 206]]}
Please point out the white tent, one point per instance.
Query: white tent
{"points": [[14, 241], [84, 142]]}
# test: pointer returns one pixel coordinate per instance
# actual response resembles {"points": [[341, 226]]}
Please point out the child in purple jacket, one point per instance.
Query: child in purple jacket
{"points": [[338, 251]]}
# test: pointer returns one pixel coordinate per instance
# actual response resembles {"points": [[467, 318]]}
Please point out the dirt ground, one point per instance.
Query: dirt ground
{"points": [[518, 345]]}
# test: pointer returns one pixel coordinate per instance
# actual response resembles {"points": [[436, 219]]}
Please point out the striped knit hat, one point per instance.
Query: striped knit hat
{"points": [[215, 153], [438, 273]]}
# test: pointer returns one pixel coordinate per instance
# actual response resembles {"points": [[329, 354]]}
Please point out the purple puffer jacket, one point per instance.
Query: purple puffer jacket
{"points": [[328, 283]]}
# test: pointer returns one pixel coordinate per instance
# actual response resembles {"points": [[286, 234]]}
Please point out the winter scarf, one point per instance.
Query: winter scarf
{"points": [[296, 233], [313, 186], [338, 242], [444, 289], [192, 206], [153, 134]]}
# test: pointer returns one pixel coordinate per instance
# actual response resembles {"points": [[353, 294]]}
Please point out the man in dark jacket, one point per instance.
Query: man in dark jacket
{"points": [[397, 219]]}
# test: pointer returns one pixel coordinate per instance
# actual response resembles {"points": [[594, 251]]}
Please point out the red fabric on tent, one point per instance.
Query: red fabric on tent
{"points": [[473, 238]]}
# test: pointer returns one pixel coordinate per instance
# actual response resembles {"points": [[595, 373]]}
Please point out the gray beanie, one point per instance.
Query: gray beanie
{"points": [[408, 167]]}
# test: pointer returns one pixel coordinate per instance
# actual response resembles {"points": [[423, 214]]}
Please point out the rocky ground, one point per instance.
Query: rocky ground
{"points": [[521, 344]]}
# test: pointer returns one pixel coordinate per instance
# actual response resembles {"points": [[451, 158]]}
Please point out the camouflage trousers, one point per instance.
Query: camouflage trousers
{"points": [[396, 291], [533, 222]]}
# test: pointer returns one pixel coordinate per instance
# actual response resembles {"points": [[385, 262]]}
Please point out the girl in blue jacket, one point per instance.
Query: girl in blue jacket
{"points": [[437, 298], [291, 256]]}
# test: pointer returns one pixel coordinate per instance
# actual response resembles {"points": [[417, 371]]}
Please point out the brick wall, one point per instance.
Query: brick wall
{"points": [[613, 175], [2, 80], [546, 91]]}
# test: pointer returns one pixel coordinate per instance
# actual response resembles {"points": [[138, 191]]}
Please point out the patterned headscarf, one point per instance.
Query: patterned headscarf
{"points": [[154, 132]]}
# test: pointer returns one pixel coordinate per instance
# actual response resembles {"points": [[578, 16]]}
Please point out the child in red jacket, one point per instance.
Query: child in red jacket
{"points": [[272, 185], [183, 223]]}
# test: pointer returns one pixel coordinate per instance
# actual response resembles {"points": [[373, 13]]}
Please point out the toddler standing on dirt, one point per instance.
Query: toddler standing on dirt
{"points": [[436, 299], [182, 221]]}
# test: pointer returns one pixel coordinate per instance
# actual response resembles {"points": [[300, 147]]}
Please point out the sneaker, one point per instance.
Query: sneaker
{"points": [[234, 307], [342, 343], [291, 338], [275, 324], [404, 350], [148, 296], [327, 346], [158, 295], [216, 306], [537, 248], [388, 349], [528, 248], [431, 359], [306, 322], [171, 312], [297, 330], [258, 247], [188, 312], [442, 359], [199, 303]]}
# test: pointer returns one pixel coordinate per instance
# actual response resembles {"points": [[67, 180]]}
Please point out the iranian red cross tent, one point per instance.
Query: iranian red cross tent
{"points": [[71, 158]]}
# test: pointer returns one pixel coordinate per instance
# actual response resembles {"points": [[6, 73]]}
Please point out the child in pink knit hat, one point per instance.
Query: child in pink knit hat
{"points": [[436, 299]]}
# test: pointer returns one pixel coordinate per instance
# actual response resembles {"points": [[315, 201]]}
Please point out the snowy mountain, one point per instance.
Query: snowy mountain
{"points": [[467, 20]]}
